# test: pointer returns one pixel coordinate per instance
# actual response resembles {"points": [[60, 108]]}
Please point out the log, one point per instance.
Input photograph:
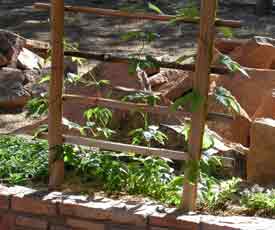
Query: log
{"points": [[141, 16], [126, 106], [56, 163], [120, 59], [200, 85]]}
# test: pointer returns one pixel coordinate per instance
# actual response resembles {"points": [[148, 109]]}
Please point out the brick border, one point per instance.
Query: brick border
{"points": [[24, 208]]}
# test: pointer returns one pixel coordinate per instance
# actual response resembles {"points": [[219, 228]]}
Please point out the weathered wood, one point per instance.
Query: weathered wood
{"points": [[120, 59], [144, 151], [200, 85], [118, 13], [127, 106], [56, 163]]}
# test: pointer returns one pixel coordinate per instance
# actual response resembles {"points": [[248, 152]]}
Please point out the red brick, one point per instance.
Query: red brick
{"points": [[35, 206], [4, 202], [187, 222], [7, 221], [31, 222], [84, 212], [81, 224]]}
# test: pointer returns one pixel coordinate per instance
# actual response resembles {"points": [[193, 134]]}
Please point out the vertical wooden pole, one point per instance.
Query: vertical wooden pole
{"points": [[56, 163], [200, 85]]}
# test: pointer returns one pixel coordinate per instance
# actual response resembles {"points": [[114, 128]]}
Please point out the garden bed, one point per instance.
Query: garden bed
{"points": [[131, 178]]}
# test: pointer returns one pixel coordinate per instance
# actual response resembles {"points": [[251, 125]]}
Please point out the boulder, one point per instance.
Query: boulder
{"points": [[12, 91], [258, 52], [267, 106], [10, 46], [261, 157], [29, 60]]}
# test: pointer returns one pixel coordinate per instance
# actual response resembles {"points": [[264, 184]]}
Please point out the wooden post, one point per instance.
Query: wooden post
{"points": [[56, 163], [200, 85]]}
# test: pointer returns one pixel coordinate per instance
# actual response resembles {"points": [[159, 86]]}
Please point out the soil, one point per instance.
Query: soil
{"points": [[100, 34]]}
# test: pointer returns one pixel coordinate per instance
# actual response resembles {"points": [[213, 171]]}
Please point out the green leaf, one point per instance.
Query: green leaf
{"points": [[154, 8], [44, 79], [225, 97], [226, 31], [192, 97], [232, 65]]}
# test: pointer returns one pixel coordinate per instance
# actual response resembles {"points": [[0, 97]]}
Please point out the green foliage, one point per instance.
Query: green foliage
{"points": [[146, 63], [37, 106], [154, 8], [225, 97], [189, 11], [193, 98], [216, 195], [22, 161], [259, 199], [145, 136], [232, 65], [99, 115], [144, 97], [226, 31]]}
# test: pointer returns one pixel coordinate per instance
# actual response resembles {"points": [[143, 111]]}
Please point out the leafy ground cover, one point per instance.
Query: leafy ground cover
{"points": [[24, 162]]}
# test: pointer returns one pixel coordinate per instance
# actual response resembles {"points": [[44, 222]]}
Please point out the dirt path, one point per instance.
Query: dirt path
{"points": [[103, 34]]}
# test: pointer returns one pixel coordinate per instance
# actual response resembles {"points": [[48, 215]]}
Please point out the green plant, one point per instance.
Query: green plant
{"points": [[193, 97], [145, 136], [102, 116], [37, 106], [216, 195], [149, 98], [225, 97], [232, 65]]}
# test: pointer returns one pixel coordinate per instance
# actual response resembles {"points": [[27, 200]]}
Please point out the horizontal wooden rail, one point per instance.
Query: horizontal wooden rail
{"points": [[126, 106], [142, 150], [119, 59], [146, 16]]}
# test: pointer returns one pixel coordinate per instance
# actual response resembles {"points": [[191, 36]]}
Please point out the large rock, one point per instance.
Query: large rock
{"points": [[267, 106], [12, 91], [258, 52], [10, 46], [261, 157]]}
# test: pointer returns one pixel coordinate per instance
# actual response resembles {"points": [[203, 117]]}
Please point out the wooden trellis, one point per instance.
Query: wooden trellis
{"points": [[207, 21]]}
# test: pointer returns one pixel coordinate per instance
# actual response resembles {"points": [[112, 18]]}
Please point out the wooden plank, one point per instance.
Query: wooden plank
{"points": [[200, 85], [141, 16], [56, 163], [144, 151], [127, 106], [120, 59]]}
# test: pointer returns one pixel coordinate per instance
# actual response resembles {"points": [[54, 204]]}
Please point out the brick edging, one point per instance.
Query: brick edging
{"points": [[24, 208]]}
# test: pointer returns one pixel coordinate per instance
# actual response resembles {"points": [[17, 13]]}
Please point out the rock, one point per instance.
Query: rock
{"points": [[258, 52], [171, 83], [29, 60], [267, 106], [12, 91], [261, 157], [10, 46]]}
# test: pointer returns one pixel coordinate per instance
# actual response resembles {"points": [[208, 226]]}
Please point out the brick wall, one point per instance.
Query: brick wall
{"points": [[22, 208]]}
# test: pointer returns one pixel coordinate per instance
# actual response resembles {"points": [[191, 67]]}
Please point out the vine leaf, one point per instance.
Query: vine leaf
{"points": [[225, 97], [193, 97], [232, 65], [154, 8]]}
